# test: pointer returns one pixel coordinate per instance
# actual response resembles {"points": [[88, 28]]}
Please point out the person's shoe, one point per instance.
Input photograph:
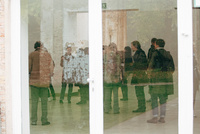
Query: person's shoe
{"points": [[54, 97], [61, 101], [46, 123], [161, 120], [33, 123], [81, 102], [139, 111], [49, 99], [153, 120], [123, 99]]}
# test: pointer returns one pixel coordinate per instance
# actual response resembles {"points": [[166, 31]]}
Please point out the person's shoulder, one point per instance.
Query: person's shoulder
{"points": [[142, 52], [33, 53]]}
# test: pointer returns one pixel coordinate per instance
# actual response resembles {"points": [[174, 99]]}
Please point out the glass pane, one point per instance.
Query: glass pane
{"points": [[58, 66], [140, 67], [196, 67]]}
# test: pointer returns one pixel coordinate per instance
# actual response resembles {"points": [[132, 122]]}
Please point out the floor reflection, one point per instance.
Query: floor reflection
{"points": [[74, 119]]}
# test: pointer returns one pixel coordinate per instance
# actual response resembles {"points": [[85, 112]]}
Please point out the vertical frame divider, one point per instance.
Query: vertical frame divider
{"points": [[95, 67], [16, 79], [185, 66]]}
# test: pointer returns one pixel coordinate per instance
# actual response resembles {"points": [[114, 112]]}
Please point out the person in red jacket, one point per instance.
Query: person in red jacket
{"points": [[40, 72]]}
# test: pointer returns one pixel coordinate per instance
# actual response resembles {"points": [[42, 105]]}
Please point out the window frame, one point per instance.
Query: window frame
{"points": [[19, 69]]}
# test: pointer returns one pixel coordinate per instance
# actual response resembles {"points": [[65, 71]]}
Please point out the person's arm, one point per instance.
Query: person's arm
{"points": [[30, 63], [51, 65], [61, 61]]}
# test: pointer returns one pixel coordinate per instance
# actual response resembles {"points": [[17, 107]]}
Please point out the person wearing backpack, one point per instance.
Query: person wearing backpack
{"points": [[160, 72]]}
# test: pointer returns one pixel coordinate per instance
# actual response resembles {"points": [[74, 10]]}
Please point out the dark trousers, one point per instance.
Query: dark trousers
{"points": [[124, 88], [52, 91], [108, 92], [37, 92], [84, 92], [139, 91], [63, 89]]}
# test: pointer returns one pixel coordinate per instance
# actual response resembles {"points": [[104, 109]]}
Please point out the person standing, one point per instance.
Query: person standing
{"points": [[126, 68], [40, 72], [67, 62], [160, 70], [84, 74], [151, 49], [150, 52], [139, 74], [112, 62]]}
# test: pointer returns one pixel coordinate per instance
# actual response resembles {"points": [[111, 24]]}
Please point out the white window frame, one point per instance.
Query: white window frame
{"points": [[19, 69]]}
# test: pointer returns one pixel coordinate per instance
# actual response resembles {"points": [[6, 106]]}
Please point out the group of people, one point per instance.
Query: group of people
{"points": [[156, 71], [41, 67], [75, 71]]}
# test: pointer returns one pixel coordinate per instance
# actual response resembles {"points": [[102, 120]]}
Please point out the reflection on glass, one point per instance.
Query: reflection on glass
{"points": [[196, 69], [140, 74], [58, 66]]}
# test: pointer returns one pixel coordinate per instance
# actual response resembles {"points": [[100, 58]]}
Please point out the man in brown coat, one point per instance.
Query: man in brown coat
{"points": [[40, 72]]}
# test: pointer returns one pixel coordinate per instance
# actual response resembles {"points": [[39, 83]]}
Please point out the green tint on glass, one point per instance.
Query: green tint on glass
{"points": [[140, 66]]}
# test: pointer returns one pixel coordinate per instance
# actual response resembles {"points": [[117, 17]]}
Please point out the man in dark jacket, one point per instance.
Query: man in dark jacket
{"points": [[160, 70], [139, 74], [151, 49]]}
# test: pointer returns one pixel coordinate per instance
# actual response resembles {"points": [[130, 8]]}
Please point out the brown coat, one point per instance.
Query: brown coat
{"points": [[40, 68]]}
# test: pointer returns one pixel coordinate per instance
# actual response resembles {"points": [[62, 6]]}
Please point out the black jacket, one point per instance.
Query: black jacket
{"points": [[139, 67], [139, 60]]}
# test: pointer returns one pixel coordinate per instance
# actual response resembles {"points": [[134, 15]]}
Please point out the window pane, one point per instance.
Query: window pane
{"points": [[140, 77], [58, 66]]}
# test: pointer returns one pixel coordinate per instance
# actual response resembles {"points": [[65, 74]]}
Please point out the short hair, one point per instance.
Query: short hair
{"points": [[153, 40], [136, 44], [113, 45], [37, 44], [160, 42]]}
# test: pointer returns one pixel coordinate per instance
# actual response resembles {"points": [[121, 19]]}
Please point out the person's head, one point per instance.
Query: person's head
{"points": [[135, 45], [37, 45], [153, 41], [160, 43], [112, 47], [127, 50], [69, 49], [86, 50]]}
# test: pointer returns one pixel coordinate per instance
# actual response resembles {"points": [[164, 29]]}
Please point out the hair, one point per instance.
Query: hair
{"points": [[136, 44], [153, 40], [160, 42], [37, 44], [113, 45], [86, 50], [127, 52]]}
